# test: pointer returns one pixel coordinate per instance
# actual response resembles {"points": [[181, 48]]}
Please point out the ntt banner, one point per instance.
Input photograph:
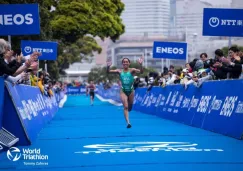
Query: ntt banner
{"points": [[19, 19], [223, 22], [170, 50]]}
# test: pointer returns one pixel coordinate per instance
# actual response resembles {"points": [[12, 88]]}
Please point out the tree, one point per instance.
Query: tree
{"points": [[100, 18], [73, 25], [226, 49]]}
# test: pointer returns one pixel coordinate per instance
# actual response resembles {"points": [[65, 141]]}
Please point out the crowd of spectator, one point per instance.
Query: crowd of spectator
{"points": [[198, 71], [19, 69]]}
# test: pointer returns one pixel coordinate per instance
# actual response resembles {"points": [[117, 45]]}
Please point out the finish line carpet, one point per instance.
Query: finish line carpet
{"points": [[95, 138]]}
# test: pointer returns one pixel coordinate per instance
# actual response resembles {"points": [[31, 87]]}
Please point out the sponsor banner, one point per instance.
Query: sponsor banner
{"points": [[170, 50], [1, 99], [112, 93], [212, 107], [48, 50], [19, 19], [29, 113], [76, 90], [223, 22]]}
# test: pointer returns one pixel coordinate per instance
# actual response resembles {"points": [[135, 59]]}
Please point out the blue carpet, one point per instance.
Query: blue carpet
{"points": [[95, 138]]}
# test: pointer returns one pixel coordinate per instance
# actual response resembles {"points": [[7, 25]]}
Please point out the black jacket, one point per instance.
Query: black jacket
{"points": [[8, 69]]}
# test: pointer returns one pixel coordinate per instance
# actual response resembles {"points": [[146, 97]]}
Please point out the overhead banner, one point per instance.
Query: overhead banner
{"points": [[223, 22], [47, 49], [19, 19], [26, 111], [170, 50]]}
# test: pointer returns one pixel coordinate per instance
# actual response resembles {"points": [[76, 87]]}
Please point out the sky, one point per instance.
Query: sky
{"points": [[216, 2]]}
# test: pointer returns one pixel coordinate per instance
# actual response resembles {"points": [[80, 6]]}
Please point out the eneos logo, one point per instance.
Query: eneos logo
{"points": [[17, 19], [170, 50], [14, 154]]}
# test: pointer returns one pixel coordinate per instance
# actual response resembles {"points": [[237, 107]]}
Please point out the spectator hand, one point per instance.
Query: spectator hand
{"points": [[140, 60], [218, 64], [34, 56], [34, 66], [226, 61]]}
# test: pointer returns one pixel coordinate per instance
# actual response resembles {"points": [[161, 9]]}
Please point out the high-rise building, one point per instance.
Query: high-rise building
{"points": [[237, 4], [146, 17]]}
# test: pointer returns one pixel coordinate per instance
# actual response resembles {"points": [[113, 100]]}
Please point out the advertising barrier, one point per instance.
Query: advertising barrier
{"points": [[76, 90], [112, 93], [1, 99], [26, 111], [214, 107]]}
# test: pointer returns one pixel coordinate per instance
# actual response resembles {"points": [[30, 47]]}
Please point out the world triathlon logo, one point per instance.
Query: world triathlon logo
{"points": [[14, 154]]}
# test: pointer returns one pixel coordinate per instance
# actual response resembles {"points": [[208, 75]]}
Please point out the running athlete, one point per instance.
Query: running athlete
{"points": [[127, 80], [91, 88]]}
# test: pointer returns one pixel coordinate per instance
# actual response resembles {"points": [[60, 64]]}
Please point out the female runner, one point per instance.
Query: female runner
{"points": [[127, 79], [91, 89]]}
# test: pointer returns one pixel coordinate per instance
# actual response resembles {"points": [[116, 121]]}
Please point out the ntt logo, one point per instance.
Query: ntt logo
{"points": [[14, 154]]}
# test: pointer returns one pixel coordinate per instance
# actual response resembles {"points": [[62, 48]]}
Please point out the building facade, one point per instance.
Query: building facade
{"points": [[142, 17]]}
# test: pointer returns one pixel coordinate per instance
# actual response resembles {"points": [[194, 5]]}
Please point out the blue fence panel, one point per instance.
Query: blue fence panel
{"points": [[1, 99], [33, 109]]}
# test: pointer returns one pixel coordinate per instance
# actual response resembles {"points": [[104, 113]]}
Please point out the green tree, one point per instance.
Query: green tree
{"points": [[226, 49], [73, 25]]}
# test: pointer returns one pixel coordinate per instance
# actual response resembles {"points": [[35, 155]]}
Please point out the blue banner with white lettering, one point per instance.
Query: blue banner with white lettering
{"points": [[76, 90], [31, 111], [112, 93], [1, 99], [223, 22], [170, 50], [47, 49], [208, 107], [19, 19]]}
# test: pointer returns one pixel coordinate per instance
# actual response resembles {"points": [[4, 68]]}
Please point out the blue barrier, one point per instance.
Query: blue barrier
{"points": [[112, 93], [26, 111], [76, 90], [217, 106], [1, 99]]}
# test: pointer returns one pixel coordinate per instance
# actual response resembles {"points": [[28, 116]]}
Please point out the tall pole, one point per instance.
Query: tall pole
{"points": [[9, 40]]}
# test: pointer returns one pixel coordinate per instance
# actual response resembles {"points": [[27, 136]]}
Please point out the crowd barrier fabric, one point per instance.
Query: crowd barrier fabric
{"points": [[216, 106], [26, 111], [76, 90], [112, 93], [1, 99]]}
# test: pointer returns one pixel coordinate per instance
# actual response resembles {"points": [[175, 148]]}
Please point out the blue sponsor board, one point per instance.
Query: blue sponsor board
{"points": [[170, 50], [112, 93], [210, 107], [223, 22], [1, 99], [48, 50], [76, 90], [25, 114], [19, 19]]}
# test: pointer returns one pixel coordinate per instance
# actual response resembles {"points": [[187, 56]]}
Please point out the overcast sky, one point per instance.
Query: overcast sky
{"points": [[216, 2]]}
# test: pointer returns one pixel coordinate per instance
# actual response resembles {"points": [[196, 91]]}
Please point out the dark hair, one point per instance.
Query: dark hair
{"points": [[204, 55], [219, 52], [127, 59], [234, 49]]}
